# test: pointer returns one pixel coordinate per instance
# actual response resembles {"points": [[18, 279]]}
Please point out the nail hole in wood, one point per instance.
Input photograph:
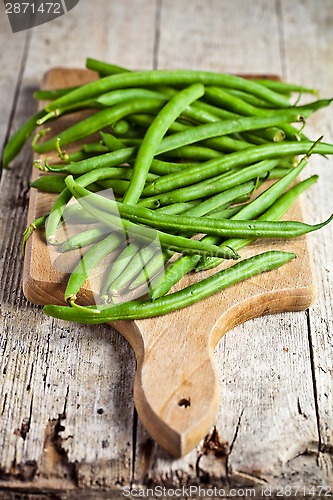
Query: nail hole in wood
{"points": [[186, 402]]}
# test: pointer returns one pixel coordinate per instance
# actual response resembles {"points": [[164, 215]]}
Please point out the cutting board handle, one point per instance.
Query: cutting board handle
{"points": [[176, 388]]}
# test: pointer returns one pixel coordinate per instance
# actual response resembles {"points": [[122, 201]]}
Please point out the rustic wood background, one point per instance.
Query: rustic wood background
{"points": [[68, 427]]}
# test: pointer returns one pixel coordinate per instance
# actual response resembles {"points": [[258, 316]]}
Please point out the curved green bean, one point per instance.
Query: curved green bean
{"points": [[153, 137], [36, 224], [168, 77], [193, 225]]}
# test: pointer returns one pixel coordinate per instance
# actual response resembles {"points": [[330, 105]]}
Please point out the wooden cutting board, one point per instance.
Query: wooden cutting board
{"points": [[176, 388]]}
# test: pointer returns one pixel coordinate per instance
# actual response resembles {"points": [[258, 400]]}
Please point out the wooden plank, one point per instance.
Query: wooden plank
{"points": [[268, 424], [13, 57], [314, 21], [63, 388], [68, 41], [236, 37]]}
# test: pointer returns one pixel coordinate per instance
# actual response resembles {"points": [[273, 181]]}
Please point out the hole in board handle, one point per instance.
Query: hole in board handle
{"points": [[185, 402]]}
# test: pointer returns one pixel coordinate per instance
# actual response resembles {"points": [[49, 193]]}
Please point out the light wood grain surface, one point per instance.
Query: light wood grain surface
{"points": [[67, 418]]}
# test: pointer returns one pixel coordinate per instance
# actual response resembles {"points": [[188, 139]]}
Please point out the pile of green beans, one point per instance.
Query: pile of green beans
{"points": [[166, 175]]}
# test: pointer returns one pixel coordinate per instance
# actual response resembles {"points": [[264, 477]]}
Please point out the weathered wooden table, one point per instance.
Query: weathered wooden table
{"points": [[68, 426]]}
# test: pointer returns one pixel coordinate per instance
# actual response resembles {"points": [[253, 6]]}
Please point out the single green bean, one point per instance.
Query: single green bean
{"points": [[75, 214], [279, 172], [19, 138], [238, 158], [74, 108], [178, 208], [121, 128], [144, 121], [84, 238], [202, 132], [104, 68], [249, 98], [118, 186], [286, 87], [214, 203], [111, 142], [117, 96], [106, 160], [226, 144], [195, 153], [210, 186], [184, 224], [52, 94], [270, 134], [97, 121], [161, 167], [153, 137], [36, 224], [220, 113], [95, 148], [196, 115], [255, 139], [76, 156], [49, 183], [168, 77]]}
